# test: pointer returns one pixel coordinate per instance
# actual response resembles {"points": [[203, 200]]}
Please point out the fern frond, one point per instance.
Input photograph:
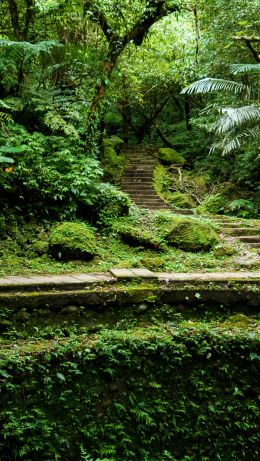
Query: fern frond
{"points": [[245, 68], [236, 118], [208, 85], [5, 118], [4, 105]]}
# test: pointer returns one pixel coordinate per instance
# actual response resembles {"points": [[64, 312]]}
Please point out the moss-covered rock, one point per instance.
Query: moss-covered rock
{"points": [[71, 240], [191, 235], [136, 236], [40, 247], [169, 156], [181, 200], [113, 165]]}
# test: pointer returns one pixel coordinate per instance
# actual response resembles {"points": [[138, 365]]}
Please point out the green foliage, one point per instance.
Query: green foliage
{"points": [[192, 235], [52, 174], [245, 208], [70, 240], [169, 156], [145, 394], [110, 204], [214, 203]]}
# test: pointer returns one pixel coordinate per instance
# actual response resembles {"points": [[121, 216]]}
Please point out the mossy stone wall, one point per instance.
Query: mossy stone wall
{"points": [[159, 394]]}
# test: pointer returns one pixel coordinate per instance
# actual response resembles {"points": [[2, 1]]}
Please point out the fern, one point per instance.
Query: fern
{"points": [[5, 119]]}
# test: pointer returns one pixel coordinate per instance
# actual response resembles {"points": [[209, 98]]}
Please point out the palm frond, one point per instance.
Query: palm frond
{"points": [[208, 85], [236, 118], [245, 68]]}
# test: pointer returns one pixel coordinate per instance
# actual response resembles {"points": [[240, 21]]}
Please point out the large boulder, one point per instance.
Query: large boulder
{"points": [[136, 236], [192, 235], [70, 240]]}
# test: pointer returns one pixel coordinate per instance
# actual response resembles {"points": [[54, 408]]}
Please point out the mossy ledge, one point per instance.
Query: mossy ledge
{"points": [[230, 293]]}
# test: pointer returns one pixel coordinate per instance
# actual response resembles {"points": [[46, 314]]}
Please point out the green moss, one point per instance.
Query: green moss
{"points": [[71, 240], [191, 235], [40, 247], [138, 237], [181, 200], [113, 164], [169, 156], [224, 250]]}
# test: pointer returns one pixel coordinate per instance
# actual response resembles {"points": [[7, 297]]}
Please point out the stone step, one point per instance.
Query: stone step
{"points": [[133, 183], [138, 188], [229, 225], [141, 193], [248, 238], [243, 231], [256, 245]]}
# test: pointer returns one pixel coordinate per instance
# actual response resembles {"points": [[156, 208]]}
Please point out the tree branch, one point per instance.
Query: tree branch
{"points": [[248, 41]]}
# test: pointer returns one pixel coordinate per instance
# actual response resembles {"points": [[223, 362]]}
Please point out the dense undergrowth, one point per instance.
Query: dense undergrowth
{"points": [[163, 393]]}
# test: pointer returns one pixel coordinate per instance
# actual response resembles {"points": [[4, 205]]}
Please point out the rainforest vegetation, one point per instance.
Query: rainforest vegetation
{"points": [[78, 79], [86, 88]]}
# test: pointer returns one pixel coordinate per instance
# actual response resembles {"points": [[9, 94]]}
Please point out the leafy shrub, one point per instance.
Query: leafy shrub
{"points": [[214, 203], [50, 174], [191, 235], [70, 240], [103, 397], [114, 141], [169, 156], [245, 208], [110, 204]]}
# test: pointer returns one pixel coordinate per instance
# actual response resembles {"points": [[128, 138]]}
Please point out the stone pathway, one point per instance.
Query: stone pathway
{"points": [[78, 281], [138, 179], [245, 231]]}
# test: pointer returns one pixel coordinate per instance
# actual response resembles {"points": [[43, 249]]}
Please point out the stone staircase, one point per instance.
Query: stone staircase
{"points": [[138, 179], [245, 231]]}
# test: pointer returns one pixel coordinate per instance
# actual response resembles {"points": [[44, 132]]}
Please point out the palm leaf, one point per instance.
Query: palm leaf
{"points": [[208, 85], [245, 68], [236, 118]]}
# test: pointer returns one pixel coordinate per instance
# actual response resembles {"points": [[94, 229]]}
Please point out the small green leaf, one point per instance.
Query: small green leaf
{"points": [[61, 376]]}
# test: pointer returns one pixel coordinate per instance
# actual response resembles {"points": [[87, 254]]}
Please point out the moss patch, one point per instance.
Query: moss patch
{"points": [[181, 200], [138, 237], [71, 240], [191, 235], [169, 156]]}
